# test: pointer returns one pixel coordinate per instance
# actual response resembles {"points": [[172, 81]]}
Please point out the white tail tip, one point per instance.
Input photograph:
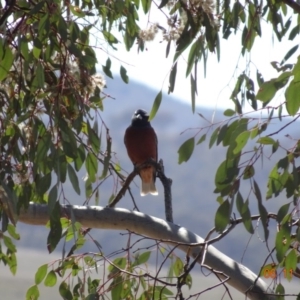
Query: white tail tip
{"points": [[148, 188]]}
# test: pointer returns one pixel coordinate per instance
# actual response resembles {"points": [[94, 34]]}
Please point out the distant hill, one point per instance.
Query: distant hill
{"points": [[194, 203]]}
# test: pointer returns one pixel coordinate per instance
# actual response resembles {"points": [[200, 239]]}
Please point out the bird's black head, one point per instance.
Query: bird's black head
{"points": [[140, 118]]}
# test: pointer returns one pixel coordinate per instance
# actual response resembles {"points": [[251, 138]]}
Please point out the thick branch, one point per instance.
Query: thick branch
{"points": [[294, 5], [241, 278]]}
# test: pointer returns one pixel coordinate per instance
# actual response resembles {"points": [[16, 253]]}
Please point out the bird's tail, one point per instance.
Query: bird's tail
{"points": [[148, 185]]}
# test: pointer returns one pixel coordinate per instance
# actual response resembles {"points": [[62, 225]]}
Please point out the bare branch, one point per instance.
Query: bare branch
{"points": [[166, 182], [240, 277]]}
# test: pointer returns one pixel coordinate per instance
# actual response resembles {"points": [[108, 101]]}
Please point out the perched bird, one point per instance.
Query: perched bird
{"points": [[141, 144]]}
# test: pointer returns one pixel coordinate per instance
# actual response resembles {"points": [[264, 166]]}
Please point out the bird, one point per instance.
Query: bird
{"points": [[141, 143]]}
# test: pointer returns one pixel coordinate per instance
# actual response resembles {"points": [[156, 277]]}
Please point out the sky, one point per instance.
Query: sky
{"points": [[152, 68]]}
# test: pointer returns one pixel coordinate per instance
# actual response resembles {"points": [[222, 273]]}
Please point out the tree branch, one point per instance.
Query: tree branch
{"points": [[295, 6], [166, 182], [240, 277]]}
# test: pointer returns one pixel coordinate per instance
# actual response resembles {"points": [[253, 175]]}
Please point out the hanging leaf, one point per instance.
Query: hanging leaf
{"points": [[155, 106], [172, 78], [241, 141], [74, 179], [106, 68], [123, 73], [193, 92], [229, 112], [282, 212], [222, 216], [33, 293], [289, 54], [202, 139], [41, 274], [214, 137], [65, 292], [185, 151], [6, 61], [50, 279], [55, 233], [292, 96]]}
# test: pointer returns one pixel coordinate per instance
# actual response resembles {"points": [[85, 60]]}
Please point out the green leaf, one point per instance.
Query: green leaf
{"points": [[239, 202], [55, 233], [74, 179], [93, 138], [193, 92], [41, 274], [213, 137], [116, 288], [12, 231], [91, 165], [106, 68], [186, 149], [37, 49], [40, 75], [178, 267], [226, 173], [9, 244], [123, 73], [10, 258], [266, 140], [142, 258], [65, 292], [248, 172], [243, 208], [222, 216], [291, 261], [120, 262], [79, 160], [292, 96], [107, 156], [146, 4], [110, 37], [280, 290], [52, 199], [289, 54], [282, 242], [262, 210], [92, 296], [6, 60], [202, 139], [282, 212], [43, 184], [267, 91], [32, 293], [229, 112], [222, 133], [192, 56], [241, 141], [155, 106], [172, 78], [50, 279]]}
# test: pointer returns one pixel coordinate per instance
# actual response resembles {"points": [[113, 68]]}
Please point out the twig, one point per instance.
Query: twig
{"points": [[124, 188], [166, 182]]}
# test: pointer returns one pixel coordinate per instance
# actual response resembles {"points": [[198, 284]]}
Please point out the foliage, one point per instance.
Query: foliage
{"points": [[51, 99]]}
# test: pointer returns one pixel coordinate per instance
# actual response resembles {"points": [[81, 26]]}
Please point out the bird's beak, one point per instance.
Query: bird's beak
{"points": [[138, 116]]}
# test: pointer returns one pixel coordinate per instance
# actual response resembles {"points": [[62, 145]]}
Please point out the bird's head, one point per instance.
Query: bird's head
{"points": [[140, 118]]}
